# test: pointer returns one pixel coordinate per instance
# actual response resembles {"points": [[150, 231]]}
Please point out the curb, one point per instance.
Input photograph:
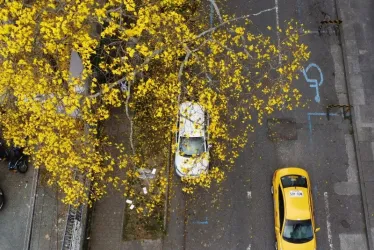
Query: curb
{"points": [[32, 208], [355, 133], [166, 205]]}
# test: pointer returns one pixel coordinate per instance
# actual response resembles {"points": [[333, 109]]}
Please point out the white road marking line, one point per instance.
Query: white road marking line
{"points": [[249, 194], [249, 247], [328, 224], [277, 22]]}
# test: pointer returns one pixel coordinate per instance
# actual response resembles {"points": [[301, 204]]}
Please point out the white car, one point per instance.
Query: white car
{"points": [[192, 152]]}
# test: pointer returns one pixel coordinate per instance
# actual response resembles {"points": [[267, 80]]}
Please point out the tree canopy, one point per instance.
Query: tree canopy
{"points": [[161, 52]]}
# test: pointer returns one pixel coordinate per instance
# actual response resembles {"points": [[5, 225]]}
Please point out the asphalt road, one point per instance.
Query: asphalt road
{"points": [[239, 213]]}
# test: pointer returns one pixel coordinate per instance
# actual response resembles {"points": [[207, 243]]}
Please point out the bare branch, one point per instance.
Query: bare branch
{"points": [[213, 2], [183, 64], [129, 118], [232, 20]]}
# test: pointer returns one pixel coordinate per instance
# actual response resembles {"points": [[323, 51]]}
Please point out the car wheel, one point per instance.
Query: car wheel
{"points": [[272, 190]]}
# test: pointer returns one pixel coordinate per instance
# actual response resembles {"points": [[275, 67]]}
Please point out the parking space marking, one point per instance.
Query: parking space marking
{"points": [[205, 222], [314, 83], [310, 121], [277, 23], [249, 194], [328, 224]]}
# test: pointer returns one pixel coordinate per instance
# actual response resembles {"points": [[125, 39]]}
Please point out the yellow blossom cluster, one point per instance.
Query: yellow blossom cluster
{"points": [[145, 57]]}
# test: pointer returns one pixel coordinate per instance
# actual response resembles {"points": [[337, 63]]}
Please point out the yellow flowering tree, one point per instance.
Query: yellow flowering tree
{"points": [[146, 57]]}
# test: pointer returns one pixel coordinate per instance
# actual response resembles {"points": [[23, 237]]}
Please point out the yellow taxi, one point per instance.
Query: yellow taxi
{"points": [[293, 210]]}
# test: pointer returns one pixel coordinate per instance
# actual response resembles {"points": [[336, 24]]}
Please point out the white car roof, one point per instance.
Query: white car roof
{"points": [[192, 119]]}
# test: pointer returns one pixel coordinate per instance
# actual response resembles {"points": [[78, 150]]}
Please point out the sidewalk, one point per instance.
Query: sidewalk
{"points": [[358, 53], [108, 215], [49, 218]]}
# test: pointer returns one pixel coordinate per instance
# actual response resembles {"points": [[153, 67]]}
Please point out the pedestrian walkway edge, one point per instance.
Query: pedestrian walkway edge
{"points": [[354, 125], [32, 208]]}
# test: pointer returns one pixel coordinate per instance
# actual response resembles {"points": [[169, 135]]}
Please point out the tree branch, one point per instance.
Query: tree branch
{"points": [[230, 21], [129, 118], [112, 85], [213, 2]]}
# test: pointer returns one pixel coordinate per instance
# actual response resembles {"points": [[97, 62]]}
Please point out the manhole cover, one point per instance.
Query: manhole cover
{"points": [[281, 129]]}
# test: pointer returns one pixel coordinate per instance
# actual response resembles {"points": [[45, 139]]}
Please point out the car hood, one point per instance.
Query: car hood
{"points": [[192, 166], [310, 245]]}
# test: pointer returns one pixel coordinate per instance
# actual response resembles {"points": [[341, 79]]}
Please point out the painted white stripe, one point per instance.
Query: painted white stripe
{"points": [[249, 194], [277, 23], [328, 224], [249, 247]]}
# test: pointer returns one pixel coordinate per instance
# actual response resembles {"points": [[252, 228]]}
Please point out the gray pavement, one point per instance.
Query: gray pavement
{"points": [[49, 217], [16, 214], [358, 40], [108, 215]]}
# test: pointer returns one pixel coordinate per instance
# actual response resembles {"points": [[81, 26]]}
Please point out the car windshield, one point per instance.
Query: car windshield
{"points": [[191, 146], [298, 231], [294, 181]]}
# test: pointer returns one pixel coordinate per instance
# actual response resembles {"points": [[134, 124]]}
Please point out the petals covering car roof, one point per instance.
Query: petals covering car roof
{"points": [[192, 119]]}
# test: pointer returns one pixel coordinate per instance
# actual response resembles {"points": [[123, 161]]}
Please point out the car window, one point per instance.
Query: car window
{"points": [[294, 181], [298, 231], [191, 146], [281, 207]]}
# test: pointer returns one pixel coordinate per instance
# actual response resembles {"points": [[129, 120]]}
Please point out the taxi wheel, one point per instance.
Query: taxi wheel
{"points": [[272, 190]]}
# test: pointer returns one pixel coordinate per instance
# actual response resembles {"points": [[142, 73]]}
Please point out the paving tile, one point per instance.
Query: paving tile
{"points": [[366, 114], [349, 31], [364, 134], [365, 151], [365, 62], [368, 79], [358, 96], [359, 30], [361, 43], [369, 189], [353, 64], [368, 170], [356, 82], [351, 47], [368, 28]]}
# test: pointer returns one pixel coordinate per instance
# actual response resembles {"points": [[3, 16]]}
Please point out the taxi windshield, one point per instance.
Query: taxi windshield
{"points": [[294, 181], [298, 231]]}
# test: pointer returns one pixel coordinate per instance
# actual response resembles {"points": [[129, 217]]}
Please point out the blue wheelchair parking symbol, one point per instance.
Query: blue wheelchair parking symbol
{"points": [[314, 83]]}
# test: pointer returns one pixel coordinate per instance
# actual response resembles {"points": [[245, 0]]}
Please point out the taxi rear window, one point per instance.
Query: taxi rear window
{"points": [[294, 181]]}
